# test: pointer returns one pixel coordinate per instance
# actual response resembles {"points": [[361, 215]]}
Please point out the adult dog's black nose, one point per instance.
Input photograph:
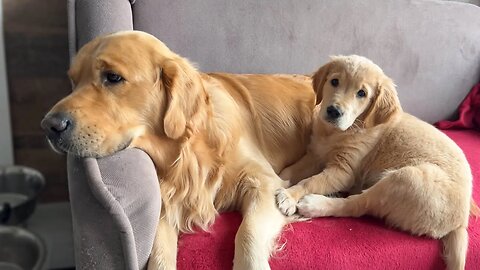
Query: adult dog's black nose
{"points": [[56, 124], [333, 112]]}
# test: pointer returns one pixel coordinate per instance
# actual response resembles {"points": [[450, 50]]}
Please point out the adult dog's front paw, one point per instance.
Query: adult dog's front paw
{"points": [[313, 206], [285, 202]]}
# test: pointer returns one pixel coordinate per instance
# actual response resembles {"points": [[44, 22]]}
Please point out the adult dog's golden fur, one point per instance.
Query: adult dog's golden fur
{"points": [[217, 140], [400, 168]]}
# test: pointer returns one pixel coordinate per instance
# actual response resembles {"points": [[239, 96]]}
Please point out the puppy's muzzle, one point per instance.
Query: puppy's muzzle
{"points": [[333, 113]]}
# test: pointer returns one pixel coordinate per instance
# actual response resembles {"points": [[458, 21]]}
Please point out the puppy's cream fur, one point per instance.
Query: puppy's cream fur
{"points": [[400, 168]]}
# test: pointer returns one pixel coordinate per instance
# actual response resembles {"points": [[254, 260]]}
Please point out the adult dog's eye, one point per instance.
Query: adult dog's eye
{"points": [[334, 82], [361, 93], [112, 77]]}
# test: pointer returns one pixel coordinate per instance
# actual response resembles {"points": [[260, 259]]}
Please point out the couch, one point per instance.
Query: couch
{"points": [[430, 48]]}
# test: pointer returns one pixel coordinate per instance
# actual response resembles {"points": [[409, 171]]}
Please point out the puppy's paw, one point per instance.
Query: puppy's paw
{"points": [[313, 206], [285, 202]]}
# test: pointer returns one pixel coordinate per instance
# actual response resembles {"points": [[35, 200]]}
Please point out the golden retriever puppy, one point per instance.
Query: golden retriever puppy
{"points": [[217, 140], [400, 168]]}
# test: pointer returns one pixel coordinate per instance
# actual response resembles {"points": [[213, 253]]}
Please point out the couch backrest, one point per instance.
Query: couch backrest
{"points": [[430, 48]]}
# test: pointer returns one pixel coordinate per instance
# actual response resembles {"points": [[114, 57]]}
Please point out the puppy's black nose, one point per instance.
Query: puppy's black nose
{"points": [[56, 124], [333, 112]]}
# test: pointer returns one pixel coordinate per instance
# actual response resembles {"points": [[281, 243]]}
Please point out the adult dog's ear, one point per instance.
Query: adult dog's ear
{"points": [[318, 80], [384, 105], [181, 82]]}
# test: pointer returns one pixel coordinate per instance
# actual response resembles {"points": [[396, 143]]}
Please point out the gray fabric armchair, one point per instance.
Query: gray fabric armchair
{"points": [[115, 208], [116, 200]]}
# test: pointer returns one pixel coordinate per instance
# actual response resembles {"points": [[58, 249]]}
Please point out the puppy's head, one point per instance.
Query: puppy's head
{"points": [[353, 89], [124, 86]]}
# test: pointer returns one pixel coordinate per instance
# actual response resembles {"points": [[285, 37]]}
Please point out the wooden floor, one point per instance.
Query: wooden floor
{"points": [[36, 49]]}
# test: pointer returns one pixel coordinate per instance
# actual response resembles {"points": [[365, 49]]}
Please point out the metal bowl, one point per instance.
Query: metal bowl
{"points": [[20, 249], [19, 189]]}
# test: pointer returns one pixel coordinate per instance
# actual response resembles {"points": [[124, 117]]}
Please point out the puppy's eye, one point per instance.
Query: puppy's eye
{"points": [[334, 82], [361, 93], [111, 77]]}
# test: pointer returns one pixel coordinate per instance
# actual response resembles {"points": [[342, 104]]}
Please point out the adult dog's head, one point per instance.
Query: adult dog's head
{"points": [[352, 89], [124, 86]]}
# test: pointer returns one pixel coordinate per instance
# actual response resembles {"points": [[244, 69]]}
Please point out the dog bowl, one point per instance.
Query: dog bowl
{"points": [[19, 189], [20, 249]]}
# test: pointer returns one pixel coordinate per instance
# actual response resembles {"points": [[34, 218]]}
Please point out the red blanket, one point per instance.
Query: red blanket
{"points": [[469, 113], [338, 243]]}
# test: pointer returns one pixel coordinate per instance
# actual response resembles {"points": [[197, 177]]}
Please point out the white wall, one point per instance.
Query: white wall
{"points": [[6, 147]]}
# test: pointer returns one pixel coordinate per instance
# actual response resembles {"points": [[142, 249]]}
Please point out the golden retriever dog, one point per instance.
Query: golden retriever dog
{"points": [[398, 167], [217, 140]]}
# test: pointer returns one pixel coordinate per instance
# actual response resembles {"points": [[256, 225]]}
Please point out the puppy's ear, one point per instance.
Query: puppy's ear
{"points": [[318, 80], [384, 105], [181, 84]]}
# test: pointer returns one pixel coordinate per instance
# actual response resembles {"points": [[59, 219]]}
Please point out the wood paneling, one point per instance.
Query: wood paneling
{"points": [[36, 47]]}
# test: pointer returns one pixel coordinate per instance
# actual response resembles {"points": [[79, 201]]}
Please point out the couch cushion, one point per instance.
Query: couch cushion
{"points": [[430, 48], [338, 243]]}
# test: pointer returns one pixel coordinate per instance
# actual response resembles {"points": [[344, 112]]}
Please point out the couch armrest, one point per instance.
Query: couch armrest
{"points": [[115, 209], [88, 19]]}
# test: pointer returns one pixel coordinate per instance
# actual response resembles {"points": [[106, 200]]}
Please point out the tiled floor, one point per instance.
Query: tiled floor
{"points": [[53, 223]]}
